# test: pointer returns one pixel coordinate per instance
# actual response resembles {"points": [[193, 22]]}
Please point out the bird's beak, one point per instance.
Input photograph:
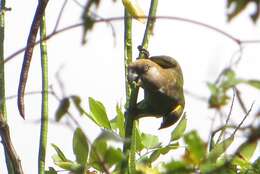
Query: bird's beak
{"points": [[132, 76]]}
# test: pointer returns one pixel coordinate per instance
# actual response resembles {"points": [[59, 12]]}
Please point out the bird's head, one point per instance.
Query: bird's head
{"points": [[140, 70]]}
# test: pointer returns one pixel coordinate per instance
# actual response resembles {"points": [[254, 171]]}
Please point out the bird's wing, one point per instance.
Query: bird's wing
{"points": [[164, 61]]}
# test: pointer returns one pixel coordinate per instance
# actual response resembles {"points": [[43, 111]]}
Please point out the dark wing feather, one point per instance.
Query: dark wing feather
{"points": [[164, 61]]}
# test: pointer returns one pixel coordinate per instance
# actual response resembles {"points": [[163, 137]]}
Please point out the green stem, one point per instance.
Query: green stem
{"points": [[128, 60], [44, 115], [2, 75], [12, 160], [149, 25], [132, 90]]}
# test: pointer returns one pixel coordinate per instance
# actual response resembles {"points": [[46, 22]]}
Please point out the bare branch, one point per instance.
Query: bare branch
{"points": [[113, 19], [60, 15]]}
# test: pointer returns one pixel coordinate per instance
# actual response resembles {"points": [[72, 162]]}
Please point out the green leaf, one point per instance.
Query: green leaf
{"points": [[69, 165], [97, 153], [244, 155], [196, 147], [219, 149], [98, 113], [61, 161], [247, 150], [230, 74], [77, 102], [145, 169], [59, 153], [254, 83], [134, 9], [62, 109], [139, 144], [120, 119], [80, 146], [107, 135], [230, 80], [162, 151], [256, 165], [149, 141], [113, 156], [179, 129], [178, 167], [213, 88]]}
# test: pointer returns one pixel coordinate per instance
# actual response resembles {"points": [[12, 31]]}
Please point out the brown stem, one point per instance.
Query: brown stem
{"points": [[6, 140], [28, 53]]}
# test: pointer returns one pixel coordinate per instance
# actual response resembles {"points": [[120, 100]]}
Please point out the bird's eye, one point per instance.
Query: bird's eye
{"points": [[146, 68]]}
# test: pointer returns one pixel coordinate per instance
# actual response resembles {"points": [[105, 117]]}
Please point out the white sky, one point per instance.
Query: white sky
{"points": [[97, 69]]}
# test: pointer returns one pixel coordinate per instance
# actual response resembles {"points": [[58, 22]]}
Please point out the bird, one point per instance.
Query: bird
{"points": [[162, 81]]}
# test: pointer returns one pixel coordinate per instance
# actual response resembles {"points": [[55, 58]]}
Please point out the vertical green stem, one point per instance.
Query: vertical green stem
{"points": [[12, 160], [127, 51], [131, 90], [2, 75], [128, 60], [44, 115], [149, 25]]}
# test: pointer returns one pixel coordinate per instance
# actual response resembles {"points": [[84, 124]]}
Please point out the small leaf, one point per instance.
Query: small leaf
{"points": [[97, 153], [178, 167], [244, 155], [145, 169], [69, 165], [77, 102], [59, 153], [113, 156], [149, 141], [120, 119], [219, 149], [108, 135], [230, 74], [196, 147], [179, 129], [134, 9], [139, 144], [162, 151], [213, 88], [254, 83], [80, 146], [247, 150], [62, 109], [98, 113]]}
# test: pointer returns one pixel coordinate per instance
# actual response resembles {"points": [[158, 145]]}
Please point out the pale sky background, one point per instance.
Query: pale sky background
{"points": [[97, 68]]}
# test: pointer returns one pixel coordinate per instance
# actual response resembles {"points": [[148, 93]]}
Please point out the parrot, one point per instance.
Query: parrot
{"points": [[162, 81]]}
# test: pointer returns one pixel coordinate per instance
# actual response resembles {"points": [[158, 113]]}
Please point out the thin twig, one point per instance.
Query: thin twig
{"points": [[60, 15], [113, 19], [228, 117], [78, 3], [246, 115], [240, 101]]}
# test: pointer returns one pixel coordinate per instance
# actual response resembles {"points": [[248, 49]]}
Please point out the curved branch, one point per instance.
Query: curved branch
{"points": [[114, 19], [28, 53]]}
